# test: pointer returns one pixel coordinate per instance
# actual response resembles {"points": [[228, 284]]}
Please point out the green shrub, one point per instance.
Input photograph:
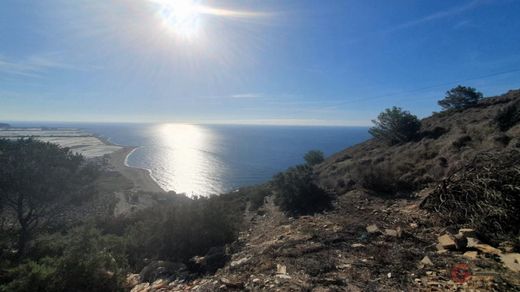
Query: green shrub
{"points": [[257, 197], [395, 126], [82, 260], [508, 116], [296, 193], [460, 97], [176, 232], [314, 157]]}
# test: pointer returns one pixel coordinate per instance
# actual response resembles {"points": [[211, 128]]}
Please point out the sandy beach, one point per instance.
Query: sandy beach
{"points": [[140, 177]]}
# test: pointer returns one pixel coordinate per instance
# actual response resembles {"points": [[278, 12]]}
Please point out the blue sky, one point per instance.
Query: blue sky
{"points": [[260, 62]]}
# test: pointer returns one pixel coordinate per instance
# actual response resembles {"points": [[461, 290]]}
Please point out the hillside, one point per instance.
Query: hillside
{"points": [[376, 237]]}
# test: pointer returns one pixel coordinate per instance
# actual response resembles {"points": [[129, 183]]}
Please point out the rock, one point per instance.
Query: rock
{"points": [[391, 232], [373, 229], [163, 270], [414, 225], [143, 287], [485, 248], [472, 242], [132, 280], [357, 245], [447, 242], [472, 255], [232, 283], [161, 283], [426, 261], [281, 269], [239, 262], [511, 261], [389, 275], [283, 276]]}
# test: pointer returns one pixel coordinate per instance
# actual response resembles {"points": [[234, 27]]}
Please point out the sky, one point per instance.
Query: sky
{"points": [[292, 62]]}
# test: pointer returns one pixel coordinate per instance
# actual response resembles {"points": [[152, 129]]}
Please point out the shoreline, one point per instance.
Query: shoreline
{"points": [[141, 178]]}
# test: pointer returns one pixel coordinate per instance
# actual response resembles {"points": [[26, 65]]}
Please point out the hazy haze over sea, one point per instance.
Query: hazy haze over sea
{"points": [[211, 159]]}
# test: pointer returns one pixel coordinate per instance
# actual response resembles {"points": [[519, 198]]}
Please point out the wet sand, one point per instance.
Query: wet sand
{"points": [[140, 177]]}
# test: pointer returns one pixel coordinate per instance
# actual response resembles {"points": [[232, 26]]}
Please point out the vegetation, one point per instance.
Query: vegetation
{"points": [[296, 193], [38, 182], [383, 179], [314, 157], [460, 97], [508, 116], [483, 194], [395, 125], [81, 260], [184, 228]]}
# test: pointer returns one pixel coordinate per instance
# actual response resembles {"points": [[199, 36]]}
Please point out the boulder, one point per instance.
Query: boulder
{"points": [[163, 270], [132, 280], [472, 255], [373, 229], [511, 261], [426, 261], [446, 241]]}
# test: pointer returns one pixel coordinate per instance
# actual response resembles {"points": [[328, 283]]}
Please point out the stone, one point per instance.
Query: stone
{"points": [[414, 225], [447, 242], [281, 269], [232, 283], [426, 261], [355, 245], [239, 262], [486, 248], [373, 229], [132, 280], [472, 255], [161, 283], [511, 261], [391, 232], [472, 242], [143, 287]]}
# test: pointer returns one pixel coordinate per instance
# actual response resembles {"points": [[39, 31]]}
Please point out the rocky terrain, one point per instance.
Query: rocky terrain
{"points": [[370, 240]]}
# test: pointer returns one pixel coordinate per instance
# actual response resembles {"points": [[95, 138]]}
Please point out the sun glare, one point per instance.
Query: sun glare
{"points": [[183, 17]]}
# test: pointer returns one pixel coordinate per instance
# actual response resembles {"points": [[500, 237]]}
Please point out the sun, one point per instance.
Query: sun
{"points": [[183, 17]]}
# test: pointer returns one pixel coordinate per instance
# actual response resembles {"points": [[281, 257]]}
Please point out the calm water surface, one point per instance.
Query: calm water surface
{"points": [[211, 159]]}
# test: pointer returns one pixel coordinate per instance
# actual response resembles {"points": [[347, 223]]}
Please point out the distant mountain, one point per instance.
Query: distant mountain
{"points": [[4, 125]]}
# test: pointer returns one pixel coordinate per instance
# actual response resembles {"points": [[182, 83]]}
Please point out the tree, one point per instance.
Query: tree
{"points": [[395, 126], [460, 97], [314, 157], [38, 181]]}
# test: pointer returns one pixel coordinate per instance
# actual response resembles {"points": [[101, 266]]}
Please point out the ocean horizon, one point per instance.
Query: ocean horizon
{"points": [[204, 159]]}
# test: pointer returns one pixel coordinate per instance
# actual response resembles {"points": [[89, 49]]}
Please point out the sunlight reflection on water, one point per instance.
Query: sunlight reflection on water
{"points": [[188, 164]]}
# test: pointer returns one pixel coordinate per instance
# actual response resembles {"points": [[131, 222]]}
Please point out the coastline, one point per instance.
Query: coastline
{"points": [[141, 178]]}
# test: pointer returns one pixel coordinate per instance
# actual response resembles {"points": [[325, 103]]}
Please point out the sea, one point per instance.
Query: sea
{"points": [[202, 160]]}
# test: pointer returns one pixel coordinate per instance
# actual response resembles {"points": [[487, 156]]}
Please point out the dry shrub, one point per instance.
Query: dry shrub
{"points": [[484, 194], [386, 179]]}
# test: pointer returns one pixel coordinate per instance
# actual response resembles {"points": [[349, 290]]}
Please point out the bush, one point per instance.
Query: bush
{"points": [[484, 194], [296, 193], [395, 126], [314, 157], [82, 260], [460, 97], [179, 231], [508, 116], [384, 180], [257, 196]]}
